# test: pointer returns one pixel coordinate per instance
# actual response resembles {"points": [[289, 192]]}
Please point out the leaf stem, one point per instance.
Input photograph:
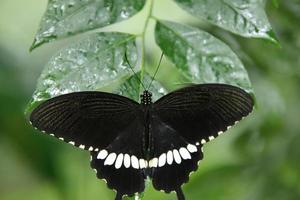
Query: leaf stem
{"points": [[143, 36]]}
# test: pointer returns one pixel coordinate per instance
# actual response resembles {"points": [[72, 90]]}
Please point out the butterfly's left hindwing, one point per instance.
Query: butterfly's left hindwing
{"points": [[120, 163]]}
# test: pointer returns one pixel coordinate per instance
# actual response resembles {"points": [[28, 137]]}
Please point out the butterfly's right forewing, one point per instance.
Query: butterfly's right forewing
{"points": [[203, 111]]}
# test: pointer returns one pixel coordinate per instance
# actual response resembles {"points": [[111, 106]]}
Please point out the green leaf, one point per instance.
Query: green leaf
{"points": [[199, 56], [275, 3], [243, 17], [132, 87], [64, 18], [214, 183], [91, 64]]}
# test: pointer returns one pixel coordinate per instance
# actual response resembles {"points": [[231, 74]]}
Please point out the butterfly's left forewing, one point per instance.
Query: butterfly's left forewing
{"points": [[182, 121], [90, 120]]}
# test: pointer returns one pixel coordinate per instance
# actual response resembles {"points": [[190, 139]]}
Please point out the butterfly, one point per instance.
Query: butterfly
{"points": [[130, 141]]}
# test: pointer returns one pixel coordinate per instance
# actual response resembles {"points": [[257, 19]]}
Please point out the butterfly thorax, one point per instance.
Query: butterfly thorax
{"points": [[146, 101], [146, 98]]}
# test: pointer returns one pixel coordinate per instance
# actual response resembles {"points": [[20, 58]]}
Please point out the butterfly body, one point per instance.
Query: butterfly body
{"points": [[131, 141], [146, 105]]}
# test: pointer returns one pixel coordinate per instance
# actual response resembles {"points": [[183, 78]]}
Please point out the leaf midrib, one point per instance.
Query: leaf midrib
{"points": [[183, 39], [236, 11]]}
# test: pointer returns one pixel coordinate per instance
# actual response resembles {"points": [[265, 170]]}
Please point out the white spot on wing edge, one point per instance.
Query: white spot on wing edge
{"points": [[211, 138], [82, 146], [110, 159], [119, 161], [177, 157], [143, 163], [126, 161], [102, 154], [72, 143], [162, 160], [135, 162], [153, 162], [170, 157], [192, 148], [185, 154]]}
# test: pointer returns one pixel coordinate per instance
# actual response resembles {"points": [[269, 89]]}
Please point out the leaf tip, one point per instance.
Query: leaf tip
{"points": [[35, 44], [271, 36]]}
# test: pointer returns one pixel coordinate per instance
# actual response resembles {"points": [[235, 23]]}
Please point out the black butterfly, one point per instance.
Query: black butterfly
{"points": [[129, 141]]}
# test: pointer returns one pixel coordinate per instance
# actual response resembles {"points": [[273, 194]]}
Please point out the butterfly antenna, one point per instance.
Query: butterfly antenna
{"points": [[161, 57], [134, 71]]}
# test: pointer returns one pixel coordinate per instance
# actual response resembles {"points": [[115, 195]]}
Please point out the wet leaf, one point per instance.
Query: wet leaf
{"points": [[243, 17], [91, 64], [132, 88], [199, 56], [64, 18]]}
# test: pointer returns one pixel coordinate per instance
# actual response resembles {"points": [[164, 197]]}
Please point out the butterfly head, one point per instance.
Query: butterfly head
{"points": [[146, 98]]}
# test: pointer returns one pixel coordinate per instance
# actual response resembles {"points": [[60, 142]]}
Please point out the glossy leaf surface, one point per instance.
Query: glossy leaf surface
{"points": [[243, 17], [64, 18], [200, 57], [89, 65]]}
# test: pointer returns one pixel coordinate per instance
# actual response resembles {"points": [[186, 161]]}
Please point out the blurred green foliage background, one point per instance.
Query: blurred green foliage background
{"points": [[258, 160]]}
